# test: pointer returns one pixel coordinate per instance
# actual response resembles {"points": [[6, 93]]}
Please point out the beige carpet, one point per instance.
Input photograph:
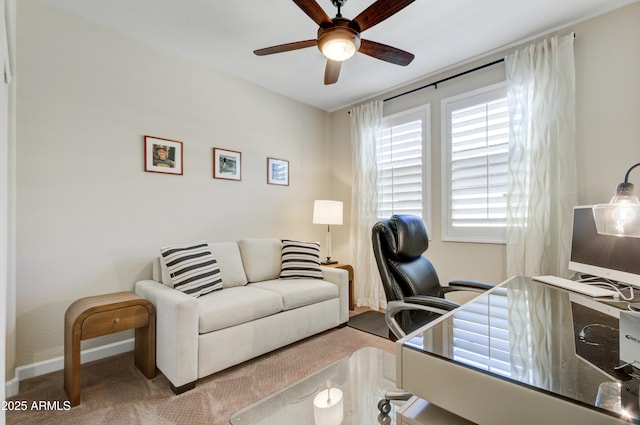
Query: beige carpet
{"points": [[115, 392]]}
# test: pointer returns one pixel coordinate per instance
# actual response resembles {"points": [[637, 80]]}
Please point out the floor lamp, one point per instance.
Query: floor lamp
{"points": [[327, 212]]}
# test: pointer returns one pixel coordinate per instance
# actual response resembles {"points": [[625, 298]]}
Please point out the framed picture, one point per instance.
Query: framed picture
{"points": [[227, 164], [278, 171], [162, 155]]}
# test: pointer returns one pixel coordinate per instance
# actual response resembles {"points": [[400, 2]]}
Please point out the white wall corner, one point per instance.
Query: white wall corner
{"points": [[11, 387]]}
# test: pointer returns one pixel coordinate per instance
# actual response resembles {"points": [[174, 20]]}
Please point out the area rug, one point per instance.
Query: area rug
{"points": [[114, 392], [371, 322]]}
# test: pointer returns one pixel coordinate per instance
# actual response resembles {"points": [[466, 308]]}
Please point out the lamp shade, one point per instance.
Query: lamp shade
{"points": [[328, 407], [327, 212], [621, 216]]}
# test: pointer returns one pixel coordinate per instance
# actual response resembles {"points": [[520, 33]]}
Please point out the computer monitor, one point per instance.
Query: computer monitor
{"points": [[611, 257]]}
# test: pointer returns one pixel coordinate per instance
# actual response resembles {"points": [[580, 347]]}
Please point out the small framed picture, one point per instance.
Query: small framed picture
{"points": [[278, 171], [162, 155], [227, 164]]}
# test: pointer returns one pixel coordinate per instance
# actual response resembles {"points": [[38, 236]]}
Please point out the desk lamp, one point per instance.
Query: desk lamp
{"points": [[621, 216], [327, 212]]}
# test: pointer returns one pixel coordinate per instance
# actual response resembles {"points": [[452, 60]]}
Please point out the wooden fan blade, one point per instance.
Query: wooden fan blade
{"points": [[378, 12], [285, 47], [314, 11], [332, 72], [385, 53]]}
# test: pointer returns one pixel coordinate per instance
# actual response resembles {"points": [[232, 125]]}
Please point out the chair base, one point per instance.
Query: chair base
{"points": [[384, 405]]}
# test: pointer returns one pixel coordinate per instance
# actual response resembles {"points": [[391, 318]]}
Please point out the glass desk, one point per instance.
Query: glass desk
{"points": [[525, 353], [364, 378]]}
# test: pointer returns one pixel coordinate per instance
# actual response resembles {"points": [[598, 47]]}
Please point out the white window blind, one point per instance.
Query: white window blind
{"points": [[481, 337], [477, 148], [400, 155]]}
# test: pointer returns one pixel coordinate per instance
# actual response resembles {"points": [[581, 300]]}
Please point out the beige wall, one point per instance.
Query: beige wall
{"points": [[608, 116], [89, 219], [607, 57]]}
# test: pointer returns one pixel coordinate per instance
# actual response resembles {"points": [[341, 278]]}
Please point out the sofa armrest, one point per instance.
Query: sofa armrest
{"points": [[176, 331], [340, 277]]}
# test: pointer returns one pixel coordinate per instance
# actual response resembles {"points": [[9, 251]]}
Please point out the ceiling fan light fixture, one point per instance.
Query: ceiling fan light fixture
{"points": [[338, 43]]}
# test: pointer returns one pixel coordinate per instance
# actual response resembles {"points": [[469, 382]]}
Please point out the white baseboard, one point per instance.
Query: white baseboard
{"points": [[12, 387]]}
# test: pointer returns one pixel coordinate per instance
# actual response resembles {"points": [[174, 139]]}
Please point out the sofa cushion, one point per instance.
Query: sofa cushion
{"points": [[228, 256], [234, 306], [299, 292], [300, 260], [261, 258], [230, 261], [192, 268]]}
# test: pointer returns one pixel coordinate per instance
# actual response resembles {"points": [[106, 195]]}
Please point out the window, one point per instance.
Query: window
{"points": [[401, 152], [474, 169]]}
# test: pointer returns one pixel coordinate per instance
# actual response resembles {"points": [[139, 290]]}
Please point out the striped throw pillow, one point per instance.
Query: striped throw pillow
{"points": [[192, 268], [300, 260]]}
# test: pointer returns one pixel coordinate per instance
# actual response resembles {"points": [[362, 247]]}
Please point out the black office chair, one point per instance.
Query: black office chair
{"points": [[411, 284]]}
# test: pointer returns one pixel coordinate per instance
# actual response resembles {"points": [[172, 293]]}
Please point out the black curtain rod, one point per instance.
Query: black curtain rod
{"points": [[435, 84]]}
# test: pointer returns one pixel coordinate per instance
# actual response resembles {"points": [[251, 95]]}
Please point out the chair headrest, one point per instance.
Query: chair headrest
{"points": [[410, 236]]}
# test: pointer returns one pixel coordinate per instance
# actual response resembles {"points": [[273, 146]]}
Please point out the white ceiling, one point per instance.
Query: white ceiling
{"points": [[441, 34]]}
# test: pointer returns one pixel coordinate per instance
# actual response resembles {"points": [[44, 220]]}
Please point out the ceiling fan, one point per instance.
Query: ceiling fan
{"points": [[339, 38]]}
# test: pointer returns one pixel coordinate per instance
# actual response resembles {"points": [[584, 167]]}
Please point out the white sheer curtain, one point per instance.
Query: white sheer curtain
{"points": [[542, 157], [366, 130]]}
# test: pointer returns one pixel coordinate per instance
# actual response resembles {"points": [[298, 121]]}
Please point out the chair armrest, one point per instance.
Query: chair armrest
{"points": [[432, 302], [468, 285], [176, 331], [418, 302], [339, 277]]}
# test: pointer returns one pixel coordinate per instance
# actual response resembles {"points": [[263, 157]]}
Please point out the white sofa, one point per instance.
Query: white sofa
{"points": [[255, 312]]}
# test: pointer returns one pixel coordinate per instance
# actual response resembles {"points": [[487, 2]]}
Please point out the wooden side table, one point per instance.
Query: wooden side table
{"points": [[102, 315], [349, 269]]}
